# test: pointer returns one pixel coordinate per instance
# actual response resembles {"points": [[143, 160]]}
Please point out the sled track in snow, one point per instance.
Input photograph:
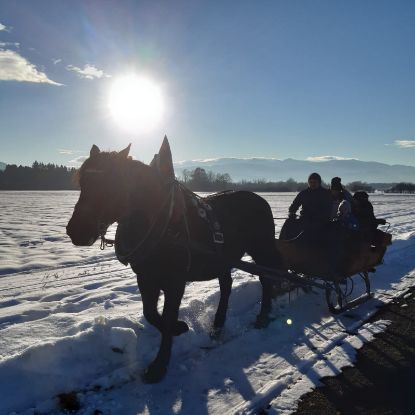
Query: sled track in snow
{"points": [[50, 278]]}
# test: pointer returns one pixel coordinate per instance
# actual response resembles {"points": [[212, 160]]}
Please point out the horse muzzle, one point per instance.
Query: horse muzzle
{"points": [[82, 233]]}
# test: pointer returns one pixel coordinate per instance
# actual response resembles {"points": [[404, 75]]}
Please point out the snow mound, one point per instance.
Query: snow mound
{"points": [[94, 358]]}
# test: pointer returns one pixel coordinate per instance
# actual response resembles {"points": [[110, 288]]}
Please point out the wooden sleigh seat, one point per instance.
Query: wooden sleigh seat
{"points": [[310, 254]]}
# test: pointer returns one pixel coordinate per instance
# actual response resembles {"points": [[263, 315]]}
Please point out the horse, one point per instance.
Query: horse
{"points": [[171, 236]]}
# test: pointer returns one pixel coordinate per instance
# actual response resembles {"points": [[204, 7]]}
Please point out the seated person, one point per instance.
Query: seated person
{"points": [[341, 210], [338, 193], [315, 202], [363, 210], [345, 216], [343, 221]]}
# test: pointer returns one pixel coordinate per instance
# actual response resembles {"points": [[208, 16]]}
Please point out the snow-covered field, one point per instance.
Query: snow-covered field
{"points": [[71, 321]]}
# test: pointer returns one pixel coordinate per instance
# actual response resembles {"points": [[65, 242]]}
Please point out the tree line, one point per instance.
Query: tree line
{"points": [[41, 176], [402, 188], [204, 181]]}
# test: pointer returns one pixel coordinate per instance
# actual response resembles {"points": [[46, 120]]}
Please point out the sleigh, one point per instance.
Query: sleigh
{"points": [[307, 263]]}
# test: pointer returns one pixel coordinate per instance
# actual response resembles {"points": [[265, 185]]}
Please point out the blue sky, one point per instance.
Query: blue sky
{"points": [[275, 78]]}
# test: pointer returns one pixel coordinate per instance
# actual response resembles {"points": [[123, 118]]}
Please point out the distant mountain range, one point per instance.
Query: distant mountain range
{"points": [[274, 170]]}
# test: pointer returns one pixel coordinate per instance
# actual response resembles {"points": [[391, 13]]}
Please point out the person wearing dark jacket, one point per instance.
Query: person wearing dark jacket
{"points": [[363, 210], [315, 202]]}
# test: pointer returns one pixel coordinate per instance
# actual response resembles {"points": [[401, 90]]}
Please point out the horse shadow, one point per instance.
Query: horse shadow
{"points": [[204, 380]]}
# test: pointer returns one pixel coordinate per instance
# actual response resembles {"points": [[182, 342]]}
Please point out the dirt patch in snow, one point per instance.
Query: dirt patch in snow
{"points": [[381, 382]]}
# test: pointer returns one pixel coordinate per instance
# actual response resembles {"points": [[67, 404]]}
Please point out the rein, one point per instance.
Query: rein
{"points": [[105, 242]]}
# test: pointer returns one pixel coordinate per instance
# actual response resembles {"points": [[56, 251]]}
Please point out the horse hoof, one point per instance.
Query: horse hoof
{"points": [[180, 328], [153, 374], [262, 322]]}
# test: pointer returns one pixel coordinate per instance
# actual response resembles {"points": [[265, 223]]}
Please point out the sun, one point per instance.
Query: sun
{"points": [[136, 103]]}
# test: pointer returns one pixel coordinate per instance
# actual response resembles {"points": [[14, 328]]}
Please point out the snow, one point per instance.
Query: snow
{"points": [[71, 321]]}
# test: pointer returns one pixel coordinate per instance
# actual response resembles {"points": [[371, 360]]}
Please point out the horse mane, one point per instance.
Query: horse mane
{"points": [[102, 158]]}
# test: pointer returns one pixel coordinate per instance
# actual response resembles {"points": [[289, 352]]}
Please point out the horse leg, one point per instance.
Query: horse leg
{"points": [[270, 260], [149, 295], [172, 299], [225, 284], [262, 319]]}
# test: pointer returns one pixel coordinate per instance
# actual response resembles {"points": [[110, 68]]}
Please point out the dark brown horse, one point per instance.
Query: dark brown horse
{"points": [[170, 236]]}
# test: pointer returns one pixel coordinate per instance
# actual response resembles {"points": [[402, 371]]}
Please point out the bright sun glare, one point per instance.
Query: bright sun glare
{"points": [[136, 103]]}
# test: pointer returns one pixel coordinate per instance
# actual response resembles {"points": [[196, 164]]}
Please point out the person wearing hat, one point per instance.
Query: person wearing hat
{"points": [[342, 205], [339, 194], [315, 202]]}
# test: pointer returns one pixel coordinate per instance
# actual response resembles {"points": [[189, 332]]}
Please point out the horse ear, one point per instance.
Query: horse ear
{"points": [[124, 153], [94, 151], [163, 161]]}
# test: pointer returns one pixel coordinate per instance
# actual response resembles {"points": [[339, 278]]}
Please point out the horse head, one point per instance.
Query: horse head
{"points": [[112, 185]]}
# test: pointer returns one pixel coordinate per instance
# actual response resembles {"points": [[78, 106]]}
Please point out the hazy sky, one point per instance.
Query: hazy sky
{"points": [[252, 78]]}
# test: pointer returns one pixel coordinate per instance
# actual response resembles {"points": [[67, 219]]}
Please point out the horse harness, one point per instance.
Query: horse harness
{"points": [[172, 211]]}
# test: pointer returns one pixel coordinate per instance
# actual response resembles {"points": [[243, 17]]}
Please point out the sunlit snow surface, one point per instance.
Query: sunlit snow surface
{"points": [[71, 320]]}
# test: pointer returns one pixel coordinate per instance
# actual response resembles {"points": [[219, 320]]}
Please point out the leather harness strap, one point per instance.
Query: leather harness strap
{"points": [[169, 214]]}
